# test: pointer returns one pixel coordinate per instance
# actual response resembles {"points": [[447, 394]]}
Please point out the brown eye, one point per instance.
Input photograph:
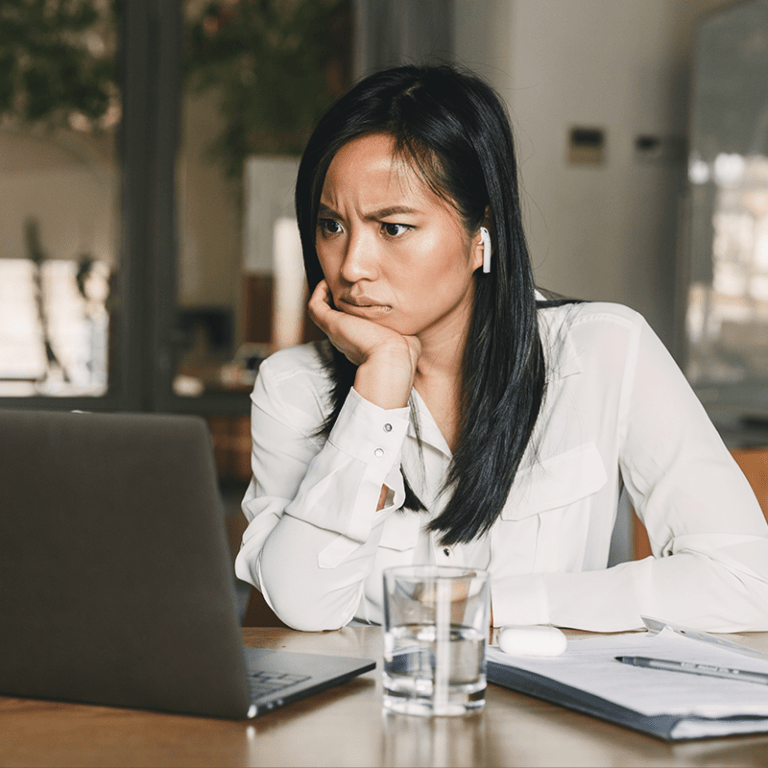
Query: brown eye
{"points": [[394, 230], [329, 226]]}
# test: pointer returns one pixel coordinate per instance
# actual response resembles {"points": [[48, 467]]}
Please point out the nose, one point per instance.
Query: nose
{"points": [[359, 262]]}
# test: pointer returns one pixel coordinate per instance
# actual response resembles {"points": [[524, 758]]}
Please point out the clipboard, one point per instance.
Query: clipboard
{"points": [[667, 727]]}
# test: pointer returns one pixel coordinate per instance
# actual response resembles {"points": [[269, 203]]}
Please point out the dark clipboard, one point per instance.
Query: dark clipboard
{"points": [[540, 687], [664, 727]]}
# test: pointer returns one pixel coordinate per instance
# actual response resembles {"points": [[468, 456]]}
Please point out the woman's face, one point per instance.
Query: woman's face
{"points": [[391, 250]]}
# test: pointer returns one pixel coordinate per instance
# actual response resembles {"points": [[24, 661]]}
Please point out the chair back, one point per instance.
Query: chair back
{"points": [[754, 464]]}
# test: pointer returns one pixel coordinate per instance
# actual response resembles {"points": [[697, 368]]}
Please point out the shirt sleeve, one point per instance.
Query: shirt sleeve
{"points": [[313, 526], [709, 538]]}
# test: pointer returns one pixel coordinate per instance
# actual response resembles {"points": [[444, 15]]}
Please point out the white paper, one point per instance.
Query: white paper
{"points": [[589, 665]]}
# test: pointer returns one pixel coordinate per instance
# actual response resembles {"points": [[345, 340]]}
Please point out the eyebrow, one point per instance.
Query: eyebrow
{"points": [[382, 213]]}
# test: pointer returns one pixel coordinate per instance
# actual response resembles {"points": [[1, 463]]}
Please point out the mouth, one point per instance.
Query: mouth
{"points": [[360, 301], [357, 304]]}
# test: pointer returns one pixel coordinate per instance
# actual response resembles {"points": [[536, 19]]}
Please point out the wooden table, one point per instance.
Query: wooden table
{"points": [[345, 726]]}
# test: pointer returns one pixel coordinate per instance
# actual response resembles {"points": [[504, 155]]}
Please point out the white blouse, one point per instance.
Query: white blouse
{"points": [[616, 409]]}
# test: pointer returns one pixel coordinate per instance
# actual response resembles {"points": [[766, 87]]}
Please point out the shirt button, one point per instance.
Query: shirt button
{"points": [[378, 453], [387, 427]]}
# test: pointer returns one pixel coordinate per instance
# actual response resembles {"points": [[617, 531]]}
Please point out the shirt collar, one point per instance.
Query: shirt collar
{"points": [[429, 432]]}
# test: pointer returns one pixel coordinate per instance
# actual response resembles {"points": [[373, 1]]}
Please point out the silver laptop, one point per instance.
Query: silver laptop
{"points": [[116, 583]]}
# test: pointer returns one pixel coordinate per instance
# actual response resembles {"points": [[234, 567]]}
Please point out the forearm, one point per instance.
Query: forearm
{"points": [[688, 588], [315, 510]]}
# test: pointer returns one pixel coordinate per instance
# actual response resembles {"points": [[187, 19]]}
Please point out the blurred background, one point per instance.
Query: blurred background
{"points": [[149, 257]]}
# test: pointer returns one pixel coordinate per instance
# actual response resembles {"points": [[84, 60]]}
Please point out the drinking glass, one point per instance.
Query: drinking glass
{"points": [[435, 631]]}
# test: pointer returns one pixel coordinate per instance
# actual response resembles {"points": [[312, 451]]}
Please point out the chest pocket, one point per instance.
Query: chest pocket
{"points": [[556, 482]]}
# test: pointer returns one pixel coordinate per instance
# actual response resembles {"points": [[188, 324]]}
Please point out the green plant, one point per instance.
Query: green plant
{"points": [[57, 63], [275, 65]]}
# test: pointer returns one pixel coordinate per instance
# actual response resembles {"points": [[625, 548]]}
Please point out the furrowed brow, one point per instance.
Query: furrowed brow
{"points": [[393, 210], [382, 213], [324, 210]]}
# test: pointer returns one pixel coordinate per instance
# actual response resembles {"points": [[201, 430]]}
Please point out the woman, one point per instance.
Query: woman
{"points": [[457, 417]]}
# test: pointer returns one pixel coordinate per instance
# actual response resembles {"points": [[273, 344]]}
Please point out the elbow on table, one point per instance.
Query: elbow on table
{"points": [[290, 606], [305, 603], [304, 596], [308, 615]]}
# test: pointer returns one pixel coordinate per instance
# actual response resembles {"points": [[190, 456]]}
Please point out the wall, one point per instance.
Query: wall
{"points": [[608, 231], [605, 232]]}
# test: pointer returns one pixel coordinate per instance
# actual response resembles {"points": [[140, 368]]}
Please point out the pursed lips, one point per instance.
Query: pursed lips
{"points": [[364, 303]]}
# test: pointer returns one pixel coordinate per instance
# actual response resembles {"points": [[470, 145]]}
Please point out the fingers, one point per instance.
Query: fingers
{"points": [[358, 338], [342, 330], [319, 305], [327, 318]]}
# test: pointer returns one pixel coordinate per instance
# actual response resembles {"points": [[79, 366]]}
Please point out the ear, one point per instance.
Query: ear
{"points": [[482, 246], [478, 251], [482, 251]]}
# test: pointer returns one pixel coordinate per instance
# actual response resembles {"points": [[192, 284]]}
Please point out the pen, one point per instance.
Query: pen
{"points": [[696, 669]]}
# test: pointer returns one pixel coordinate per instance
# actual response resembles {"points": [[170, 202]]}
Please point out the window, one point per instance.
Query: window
{"points": [[60, 112]]}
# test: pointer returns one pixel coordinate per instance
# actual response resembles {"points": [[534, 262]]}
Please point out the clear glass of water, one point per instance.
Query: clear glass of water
{"points": [[436, 622]]}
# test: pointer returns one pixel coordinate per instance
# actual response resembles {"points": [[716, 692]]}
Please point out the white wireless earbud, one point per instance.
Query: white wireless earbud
{"points": [[485, 238]]}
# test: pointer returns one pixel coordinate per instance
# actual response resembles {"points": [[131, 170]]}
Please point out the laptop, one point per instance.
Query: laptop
{"points": [[116, 582]]}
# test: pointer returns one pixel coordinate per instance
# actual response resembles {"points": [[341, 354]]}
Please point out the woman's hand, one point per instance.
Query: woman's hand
{"points": [[386, 359]]}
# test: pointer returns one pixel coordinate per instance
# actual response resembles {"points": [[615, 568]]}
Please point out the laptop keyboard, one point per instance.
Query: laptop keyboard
{"points": [[265, 683]]}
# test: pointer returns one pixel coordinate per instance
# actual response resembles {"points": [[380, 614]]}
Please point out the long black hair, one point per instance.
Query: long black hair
{"points": [[452, 127]]}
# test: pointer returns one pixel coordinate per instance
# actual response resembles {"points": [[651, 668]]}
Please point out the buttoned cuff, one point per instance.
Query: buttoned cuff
{"points": [[375, 436], [341, 489], [369, 433]]}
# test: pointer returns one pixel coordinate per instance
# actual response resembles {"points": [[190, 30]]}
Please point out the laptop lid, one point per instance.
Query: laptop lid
{"points": [[116, 584]]}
